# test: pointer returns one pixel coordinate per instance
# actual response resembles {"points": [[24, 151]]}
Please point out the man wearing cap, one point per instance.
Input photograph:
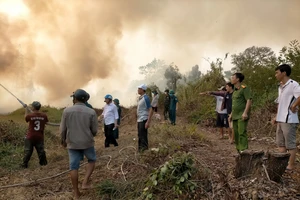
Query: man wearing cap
{"points": [[144, 115], [116, 131], [35, 134], [167, 104], [173, 107], [78, 128], [111, 116], [241, 104]]}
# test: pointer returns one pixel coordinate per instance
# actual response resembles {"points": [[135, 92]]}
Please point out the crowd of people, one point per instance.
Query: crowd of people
{"points": [[79, 123]]}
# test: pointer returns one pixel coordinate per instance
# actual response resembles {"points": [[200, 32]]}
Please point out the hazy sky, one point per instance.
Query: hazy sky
{"points": [[49, 48]]}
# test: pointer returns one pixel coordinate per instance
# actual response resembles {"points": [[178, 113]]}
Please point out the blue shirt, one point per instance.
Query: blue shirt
{"points": [[143, 108]]}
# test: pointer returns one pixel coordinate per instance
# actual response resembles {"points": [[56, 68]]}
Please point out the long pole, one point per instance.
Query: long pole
{"points": [[21, 102]]}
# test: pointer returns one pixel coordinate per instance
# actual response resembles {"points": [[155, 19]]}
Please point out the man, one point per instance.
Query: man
{"points": [[241, 104], [144, 115], [287, 116], [222, 117], [116, 131], [167, 104], [154, 102], [35, 134], [173, 107], [111, 116], [78, 128]]}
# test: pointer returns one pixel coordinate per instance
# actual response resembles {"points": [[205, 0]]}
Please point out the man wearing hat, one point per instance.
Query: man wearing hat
{"points": [[35, 134], [78, 128], [144, 115], [116, 131], [111, 116], [167, 104]]}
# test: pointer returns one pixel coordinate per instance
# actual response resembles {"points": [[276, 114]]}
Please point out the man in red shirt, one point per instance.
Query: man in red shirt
{"points": [[35, 134]]}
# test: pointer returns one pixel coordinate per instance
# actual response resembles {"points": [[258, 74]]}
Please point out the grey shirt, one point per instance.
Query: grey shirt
{"points": [[78, 126]]}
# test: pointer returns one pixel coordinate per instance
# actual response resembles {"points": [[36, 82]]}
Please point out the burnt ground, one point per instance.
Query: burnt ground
{"points": [[218, 156]]}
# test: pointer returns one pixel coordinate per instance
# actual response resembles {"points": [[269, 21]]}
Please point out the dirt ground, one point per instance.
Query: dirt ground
{"points": [[218, 155]]}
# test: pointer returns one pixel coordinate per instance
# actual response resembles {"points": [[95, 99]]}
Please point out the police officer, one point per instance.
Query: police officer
{"points": [[241, 104]]}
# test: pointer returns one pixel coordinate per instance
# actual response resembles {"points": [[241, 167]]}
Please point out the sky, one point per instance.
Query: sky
{"points": [[49, 48]]}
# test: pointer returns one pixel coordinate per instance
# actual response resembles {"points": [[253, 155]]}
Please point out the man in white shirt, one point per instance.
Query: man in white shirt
{"points": [[222, 116], [154, 102], [287, 116], [111, 116]]}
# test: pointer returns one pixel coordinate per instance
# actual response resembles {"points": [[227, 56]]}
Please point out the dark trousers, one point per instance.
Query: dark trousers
{"points": [[28, 149], [166, 112], [143, 136], [109, 135], [172, 116]]}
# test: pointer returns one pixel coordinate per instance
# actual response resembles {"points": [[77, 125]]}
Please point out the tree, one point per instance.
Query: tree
{"points": [[253, 57], [172, 75], [194, 74], [291, 55], [258, 66], [154, 73]]}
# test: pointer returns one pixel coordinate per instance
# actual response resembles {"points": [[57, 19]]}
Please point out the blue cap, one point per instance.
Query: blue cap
{"points": [[108, 96]]}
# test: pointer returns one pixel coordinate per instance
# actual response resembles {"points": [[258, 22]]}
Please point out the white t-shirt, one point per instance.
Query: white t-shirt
{"points": [[155, 101], [287, 95], [219, 105], [110, 113]]}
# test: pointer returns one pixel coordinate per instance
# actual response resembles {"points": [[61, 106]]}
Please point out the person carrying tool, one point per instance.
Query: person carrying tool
{"points": [[35, 134]]}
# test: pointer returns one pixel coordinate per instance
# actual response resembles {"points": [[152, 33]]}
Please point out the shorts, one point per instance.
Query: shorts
{"points": [[222, 120], [286, 135], [76, 155]]}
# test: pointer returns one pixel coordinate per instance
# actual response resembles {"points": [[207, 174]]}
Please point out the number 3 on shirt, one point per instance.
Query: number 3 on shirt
{"points": [[37, 125]]}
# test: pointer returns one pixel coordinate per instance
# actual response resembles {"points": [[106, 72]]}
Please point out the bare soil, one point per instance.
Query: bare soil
{"points": [[217, 155]]}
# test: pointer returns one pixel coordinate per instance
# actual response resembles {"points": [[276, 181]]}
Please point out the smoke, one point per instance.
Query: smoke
{"points": [[64, 45]]}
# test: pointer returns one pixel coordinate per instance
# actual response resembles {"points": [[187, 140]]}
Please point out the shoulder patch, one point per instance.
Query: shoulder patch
{"points": [[243, 86]]}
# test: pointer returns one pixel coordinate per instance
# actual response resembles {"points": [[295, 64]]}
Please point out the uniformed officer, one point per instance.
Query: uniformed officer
{"points": [[173, 107], [241, 104]]}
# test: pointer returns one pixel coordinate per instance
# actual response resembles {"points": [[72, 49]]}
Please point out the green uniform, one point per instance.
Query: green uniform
{"points": [[172, 111], [239, 101]]}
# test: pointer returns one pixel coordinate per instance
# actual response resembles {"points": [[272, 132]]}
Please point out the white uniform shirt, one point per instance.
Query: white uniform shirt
{"points": [[110, 113], [219, 105], [287, 95]]}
